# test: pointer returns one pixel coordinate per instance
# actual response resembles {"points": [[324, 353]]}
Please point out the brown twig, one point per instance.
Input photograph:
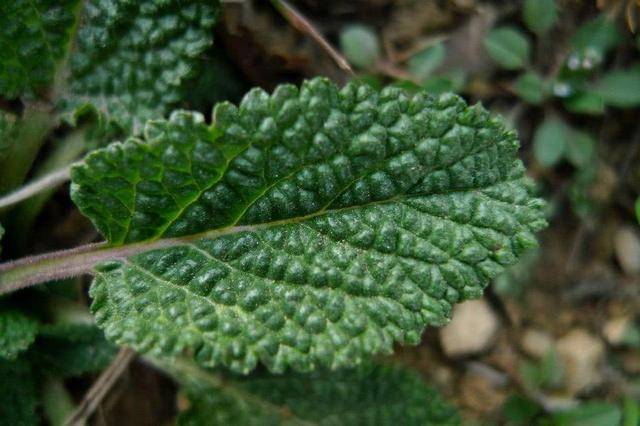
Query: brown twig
{"points": [[302, 24], [101, 387]]}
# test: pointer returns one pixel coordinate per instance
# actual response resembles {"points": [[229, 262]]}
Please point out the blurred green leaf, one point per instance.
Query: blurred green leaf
{"points": [[520, 410], [550, 141], [540, 15], [428, 60], [508, 47], [530, 87], [580, 147], [599, 34], [631, 410], [70, 350], [638, 209], [360, 45], [620, 88], [453, 81], [18, 394], [592, 413], [580, 195], [585, 102], [17, 333]]}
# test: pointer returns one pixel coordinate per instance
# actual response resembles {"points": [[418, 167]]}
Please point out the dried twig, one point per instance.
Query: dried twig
{"points": [[302, 24], [101, 387]]}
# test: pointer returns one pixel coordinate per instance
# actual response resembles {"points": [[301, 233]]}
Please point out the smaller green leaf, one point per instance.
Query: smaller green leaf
{"points": [[372, 394], [631, 410], [34, 37], [508, 47], [593, 413], [18, 394], [600, 34], [620, 88], [520, 410], [17, 333], [540, 15], [428, 60], [530, 87], [453, 81], [580, 147], [70, 350], [550, 141], [360, 45], [585, 102], [638, 209]]}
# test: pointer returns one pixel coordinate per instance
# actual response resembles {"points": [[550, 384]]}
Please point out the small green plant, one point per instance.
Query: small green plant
{"points": [[305, 230]]}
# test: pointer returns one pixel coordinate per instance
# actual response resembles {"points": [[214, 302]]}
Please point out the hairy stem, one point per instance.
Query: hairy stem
{"points": [[32, 270], [302, 24], [35, 187]]}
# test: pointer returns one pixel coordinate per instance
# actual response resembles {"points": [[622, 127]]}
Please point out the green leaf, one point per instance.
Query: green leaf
{"points": [[580, 148], [550, 141], [452, 81], [311, 227], [638, 209], [508, 47], [132, 57], [620, 88], [69, 350], [368, 395], [585, 102], [18, 394], [530, 87], [520, 410], [359, 45], [592, 413], [17, 333], [599, 35], [428, 60], [631, 412], [34, 37], [540, 15]]}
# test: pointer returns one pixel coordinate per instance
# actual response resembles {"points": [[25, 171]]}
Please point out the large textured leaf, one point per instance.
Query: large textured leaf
{"points": [[17, 333], [375, 395], [68, 350], [310, 227], [133, 56], [34, 37], [18, 394]]}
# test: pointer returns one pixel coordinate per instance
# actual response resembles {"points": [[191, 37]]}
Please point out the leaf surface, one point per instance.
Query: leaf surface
{"points": [[368, 395], [132, 57], [17, 333], [34, 37], [311, 227], [69, 350], [18, 394]]}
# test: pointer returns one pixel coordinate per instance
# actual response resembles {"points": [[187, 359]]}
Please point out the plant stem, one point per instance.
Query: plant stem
{"points": [[32, 270], [45, 182], [26, 272]]}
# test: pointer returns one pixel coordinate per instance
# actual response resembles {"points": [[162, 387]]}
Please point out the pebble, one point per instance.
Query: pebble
{"points": [[627, 248], [536, 343], [582, 355], [615, 329], [472, 330]]}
